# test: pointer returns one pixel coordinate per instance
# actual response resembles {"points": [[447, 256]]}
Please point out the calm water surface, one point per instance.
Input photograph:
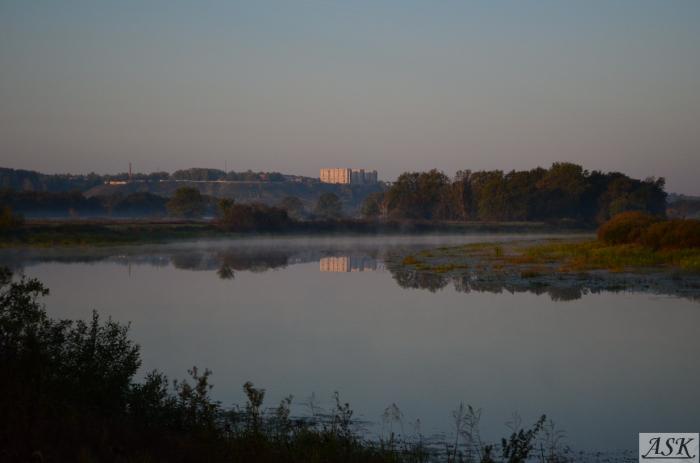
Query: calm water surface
{"points": [[302, 316]]}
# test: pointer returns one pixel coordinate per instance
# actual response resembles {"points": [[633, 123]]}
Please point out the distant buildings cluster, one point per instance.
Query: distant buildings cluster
{"points": [[346, 176]]}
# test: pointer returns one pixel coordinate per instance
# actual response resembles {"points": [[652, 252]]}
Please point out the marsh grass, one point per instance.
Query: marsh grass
{"points": [[596, 255]]}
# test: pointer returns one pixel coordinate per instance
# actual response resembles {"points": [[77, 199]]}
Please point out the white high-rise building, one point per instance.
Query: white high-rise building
{"points": [[348, 176], [336, 175]]}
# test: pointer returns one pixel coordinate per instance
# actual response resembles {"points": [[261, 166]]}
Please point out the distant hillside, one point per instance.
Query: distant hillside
{"points": [[270, 193], [245, 186], [29, 180]]}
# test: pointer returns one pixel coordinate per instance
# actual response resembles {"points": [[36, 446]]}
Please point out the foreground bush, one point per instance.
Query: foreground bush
{"points": [[672, 234], [625, 228], [68, 394], [648, 231]]}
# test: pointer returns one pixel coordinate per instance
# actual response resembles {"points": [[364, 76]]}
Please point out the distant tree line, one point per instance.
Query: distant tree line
{"points": [[199, 174], [18, 179], [28, 180], [187, 202], [75, 204], [564, 191]]}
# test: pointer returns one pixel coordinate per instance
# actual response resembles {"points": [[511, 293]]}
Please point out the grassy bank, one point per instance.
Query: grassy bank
{"points": [[596, 255], [630, 241], [552, 257], [563, 269]]}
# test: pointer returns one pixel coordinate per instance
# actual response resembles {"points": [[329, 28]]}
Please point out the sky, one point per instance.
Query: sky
{"points": [[392, 85]]}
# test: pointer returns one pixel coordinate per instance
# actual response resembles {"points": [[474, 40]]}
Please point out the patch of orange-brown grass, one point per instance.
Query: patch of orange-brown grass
{"points": [[592, 255]]}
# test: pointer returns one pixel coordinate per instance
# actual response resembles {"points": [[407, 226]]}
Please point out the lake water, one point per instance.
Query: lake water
{"points": [[301, 316]]}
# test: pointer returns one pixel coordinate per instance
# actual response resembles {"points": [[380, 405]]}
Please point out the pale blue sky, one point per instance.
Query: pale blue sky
{"points": [[396, 85]]}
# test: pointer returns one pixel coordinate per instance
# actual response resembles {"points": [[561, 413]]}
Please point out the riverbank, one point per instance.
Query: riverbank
{"points": [[564, 268], [556, 255], [48, 233]]}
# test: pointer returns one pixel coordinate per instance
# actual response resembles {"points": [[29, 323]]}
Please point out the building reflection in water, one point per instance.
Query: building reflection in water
{"points": [[349, 264]]}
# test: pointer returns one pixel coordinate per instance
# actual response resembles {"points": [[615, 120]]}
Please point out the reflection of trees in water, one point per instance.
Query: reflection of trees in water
{"points": [[226, 261], [468, 283], [557, 288], [254, 262], [226, 273], [420, 280], [189, 261]]}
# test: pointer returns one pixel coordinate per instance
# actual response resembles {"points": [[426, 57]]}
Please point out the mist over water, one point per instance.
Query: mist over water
{"points": [[315, 315]]}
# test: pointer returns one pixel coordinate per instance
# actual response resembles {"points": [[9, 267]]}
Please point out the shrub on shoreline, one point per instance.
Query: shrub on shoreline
{"points": [[625, 228], [235, 217], [651, 232], [68, 394], [672, 234]]}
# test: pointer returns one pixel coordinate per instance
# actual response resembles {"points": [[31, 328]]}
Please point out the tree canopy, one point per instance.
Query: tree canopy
{"points": [[293, 206], [329, 206], [564, 191], [187, 202]]}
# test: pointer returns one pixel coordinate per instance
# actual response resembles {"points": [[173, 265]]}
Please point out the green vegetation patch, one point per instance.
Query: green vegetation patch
{"points": [[595, 255], [630, 242]]}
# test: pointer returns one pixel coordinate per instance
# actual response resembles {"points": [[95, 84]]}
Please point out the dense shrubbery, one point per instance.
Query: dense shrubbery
{"points": [[625, 228], [672, 234], [68, 394], [651, 232], [251, 217]]}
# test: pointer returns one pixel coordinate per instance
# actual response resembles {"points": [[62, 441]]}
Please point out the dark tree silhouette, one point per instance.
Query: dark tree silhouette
{"points": [[187, 202], [329, 206]]}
